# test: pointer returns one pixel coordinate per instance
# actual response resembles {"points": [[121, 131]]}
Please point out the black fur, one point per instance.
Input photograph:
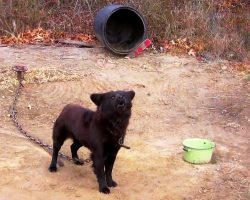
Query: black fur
{"points": [[99, 131]]}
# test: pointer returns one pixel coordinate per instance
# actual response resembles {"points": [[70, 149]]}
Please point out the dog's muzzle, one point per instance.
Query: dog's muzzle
{"points": [[121, 101]]}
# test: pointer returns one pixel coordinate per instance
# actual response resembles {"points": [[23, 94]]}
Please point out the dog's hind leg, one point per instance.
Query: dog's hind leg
{"points": [[74, 148], [56, 149], [59, 136]]}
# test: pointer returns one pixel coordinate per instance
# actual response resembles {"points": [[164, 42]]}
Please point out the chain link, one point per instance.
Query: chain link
{"points": [[13, 114]]}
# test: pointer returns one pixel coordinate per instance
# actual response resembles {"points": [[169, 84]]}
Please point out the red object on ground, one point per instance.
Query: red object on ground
{"points": [[140, 48]]}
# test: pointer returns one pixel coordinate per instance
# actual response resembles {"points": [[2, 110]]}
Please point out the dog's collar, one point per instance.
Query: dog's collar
{"points": [[121, 141]]}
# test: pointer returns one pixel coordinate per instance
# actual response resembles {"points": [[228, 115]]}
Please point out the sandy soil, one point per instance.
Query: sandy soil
{"points": [[176, 98]]}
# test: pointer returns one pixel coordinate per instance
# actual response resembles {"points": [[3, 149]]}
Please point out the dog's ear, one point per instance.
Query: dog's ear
{"points": [[96, 98], [131, 94]]}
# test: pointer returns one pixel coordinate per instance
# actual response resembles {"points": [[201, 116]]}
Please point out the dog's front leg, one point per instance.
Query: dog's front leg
{"points": [[98, 164], [109, 163]]}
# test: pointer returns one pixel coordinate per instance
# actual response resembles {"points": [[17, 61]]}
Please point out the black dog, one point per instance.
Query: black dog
{"points": [[101, 131]]}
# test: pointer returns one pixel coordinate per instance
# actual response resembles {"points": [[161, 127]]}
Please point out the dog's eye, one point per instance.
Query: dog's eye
{"points": [[113, 97]]}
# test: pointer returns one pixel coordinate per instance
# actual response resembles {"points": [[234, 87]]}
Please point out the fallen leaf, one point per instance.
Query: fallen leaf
{"points": [[191, 52]]}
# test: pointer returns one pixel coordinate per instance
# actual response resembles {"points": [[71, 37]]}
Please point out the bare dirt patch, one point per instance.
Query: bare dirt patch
{"points": [[176, 98]]}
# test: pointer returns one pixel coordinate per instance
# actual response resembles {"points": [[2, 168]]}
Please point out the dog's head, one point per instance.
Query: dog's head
{"points": [[114, 102]]}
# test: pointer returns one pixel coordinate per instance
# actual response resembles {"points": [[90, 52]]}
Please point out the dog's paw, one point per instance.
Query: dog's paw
{"points": [[112, 183], [78, 161], [52, 168], [104, 190]]}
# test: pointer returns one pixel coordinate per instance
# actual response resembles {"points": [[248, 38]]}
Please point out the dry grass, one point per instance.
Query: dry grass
{"points": [[8, 78], [224, 29], [19, 15]]}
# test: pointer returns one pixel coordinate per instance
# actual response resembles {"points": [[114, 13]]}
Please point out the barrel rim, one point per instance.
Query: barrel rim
{"points": [[121, 7]]}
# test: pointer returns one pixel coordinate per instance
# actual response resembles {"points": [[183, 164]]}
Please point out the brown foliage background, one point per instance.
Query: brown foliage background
{"points": [[221, 27]]}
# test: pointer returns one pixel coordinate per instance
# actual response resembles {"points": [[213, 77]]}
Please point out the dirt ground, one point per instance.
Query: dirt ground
{"points": [[176, 98]]}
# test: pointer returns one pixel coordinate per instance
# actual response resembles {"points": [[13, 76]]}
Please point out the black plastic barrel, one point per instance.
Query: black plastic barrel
{"points": [[120, 28]]}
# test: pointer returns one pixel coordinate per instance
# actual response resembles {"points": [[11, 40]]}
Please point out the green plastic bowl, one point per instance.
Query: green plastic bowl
{"points": [[198, 151]]}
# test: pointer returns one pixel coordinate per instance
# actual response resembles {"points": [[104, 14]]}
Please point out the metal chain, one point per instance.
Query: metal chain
{"points": [[13, 114]]}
